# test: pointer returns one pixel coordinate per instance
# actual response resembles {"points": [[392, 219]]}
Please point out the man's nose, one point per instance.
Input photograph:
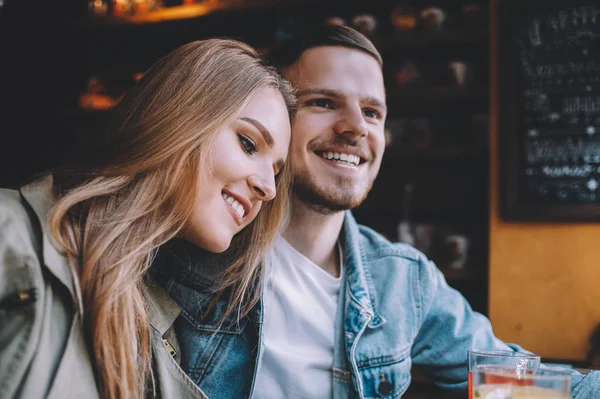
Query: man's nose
{"points": [[263, 186], [352, 122]]}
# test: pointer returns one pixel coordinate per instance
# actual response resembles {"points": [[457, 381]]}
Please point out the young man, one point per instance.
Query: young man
{"points": [[347, 313], [344, 313]]}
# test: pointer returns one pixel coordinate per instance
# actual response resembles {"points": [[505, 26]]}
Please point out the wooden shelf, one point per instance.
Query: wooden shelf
{"points": [[188, 11], [466, 215], [437, 154], [436, 95], [441, 38]]}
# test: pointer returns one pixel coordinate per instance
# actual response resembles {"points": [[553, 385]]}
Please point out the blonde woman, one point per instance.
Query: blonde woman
{"points": [[195, 152]]}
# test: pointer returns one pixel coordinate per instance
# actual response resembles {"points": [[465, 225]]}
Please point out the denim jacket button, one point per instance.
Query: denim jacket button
{"points": [[385, 387]]}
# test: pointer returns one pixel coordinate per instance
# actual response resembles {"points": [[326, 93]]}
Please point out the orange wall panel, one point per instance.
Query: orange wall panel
{"points": [[544, 278]]}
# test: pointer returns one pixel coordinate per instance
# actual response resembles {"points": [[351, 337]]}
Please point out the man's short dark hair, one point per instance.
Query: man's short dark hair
{"points": [[289, 51]]}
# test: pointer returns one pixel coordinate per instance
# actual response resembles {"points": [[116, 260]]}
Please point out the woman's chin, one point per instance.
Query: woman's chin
{"points": [[216, 245], [218, 250]]}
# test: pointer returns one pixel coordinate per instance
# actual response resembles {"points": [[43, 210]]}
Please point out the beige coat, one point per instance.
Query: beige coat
{"points": [[43, 353]]}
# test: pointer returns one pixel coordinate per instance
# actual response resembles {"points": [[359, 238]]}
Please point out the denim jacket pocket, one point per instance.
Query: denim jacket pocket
{"points": [[386, 376]]}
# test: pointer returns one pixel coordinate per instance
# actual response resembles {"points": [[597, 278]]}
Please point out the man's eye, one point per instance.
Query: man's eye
{"points": [[247, 144], [371, 113], [320, 102]]}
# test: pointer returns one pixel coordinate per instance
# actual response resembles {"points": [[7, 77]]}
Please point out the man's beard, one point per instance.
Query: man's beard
{"points": [[326, 202]]}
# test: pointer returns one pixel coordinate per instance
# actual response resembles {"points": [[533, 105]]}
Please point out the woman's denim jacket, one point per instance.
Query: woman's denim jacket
{"points": [[397, 312]]}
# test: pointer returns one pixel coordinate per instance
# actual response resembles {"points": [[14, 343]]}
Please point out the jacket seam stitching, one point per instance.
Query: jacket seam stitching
{"points": [[367, 275], [418, 296], [384, 360], [207, 327], [209, 366], [390, 253]]}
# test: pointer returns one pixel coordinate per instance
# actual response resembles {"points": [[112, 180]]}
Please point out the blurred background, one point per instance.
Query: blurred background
{"points": [[65, 64]]}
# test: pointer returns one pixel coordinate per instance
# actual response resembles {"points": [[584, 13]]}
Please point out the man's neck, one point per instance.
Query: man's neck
{"points": [[315, 236]]}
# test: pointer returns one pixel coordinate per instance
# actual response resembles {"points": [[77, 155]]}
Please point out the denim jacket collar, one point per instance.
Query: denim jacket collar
{"points": [[360, 290]]}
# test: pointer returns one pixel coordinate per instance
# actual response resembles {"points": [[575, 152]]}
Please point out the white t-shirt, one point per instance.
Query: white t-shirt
{"points": [[300, 311]]}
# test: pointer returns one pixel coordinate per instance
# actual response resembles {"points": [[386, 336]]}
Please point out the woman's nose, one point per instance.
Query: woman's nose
{"points": [[263, 187]]}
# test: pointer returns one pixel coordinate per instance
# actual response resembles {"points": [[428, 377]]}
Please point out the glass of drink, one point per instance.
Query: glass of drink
{"points": [[503, 382], [518, 362]]}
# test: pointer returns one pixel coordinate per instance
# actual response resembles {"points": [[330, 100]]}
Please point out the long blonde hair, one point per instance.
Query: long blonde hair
{"points": [[136, 192]]}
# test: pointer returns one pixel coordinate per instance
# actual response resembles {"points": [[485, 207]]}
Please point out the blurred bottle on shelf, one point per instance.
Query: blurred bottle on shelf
{"points": [[335, 20], [127, 8], [461, 72], [98, 8], [96, 97], [404, 18], [122, 8], [457, 246], [433, 18], [365, 24], [406, 72]]}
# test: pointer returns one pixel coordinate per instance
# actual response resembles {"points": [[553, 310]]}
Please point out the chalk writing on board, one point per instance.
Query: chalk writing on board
{"points": [[558, 80]]}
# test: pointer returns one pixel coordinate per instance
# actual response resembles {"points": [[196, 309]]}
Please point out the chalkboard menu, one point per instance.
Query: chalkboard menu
{"points": [[549, 80]]}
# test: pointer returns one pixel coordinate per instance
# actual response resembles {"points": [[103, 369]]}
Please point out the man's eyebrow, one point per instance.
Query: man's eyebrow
{"points": [[336, 94], [375, 102], [325, 92], [263, 130]]}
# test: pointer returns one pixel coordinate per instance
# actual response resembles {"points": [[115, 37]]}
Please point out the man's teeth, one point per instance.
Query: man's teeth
{"points": [[237, 207], [348, 158]]}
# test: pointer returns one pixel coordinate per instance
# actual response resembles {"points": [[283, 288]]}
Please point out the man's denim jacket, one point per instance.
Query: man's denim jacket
{"points": [[397, 312]]}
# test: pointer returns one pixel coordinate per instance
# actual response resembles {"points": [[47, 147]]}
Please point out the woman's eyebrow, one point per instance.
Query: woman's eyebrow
{"points": [[267, 136], [263, 130]]}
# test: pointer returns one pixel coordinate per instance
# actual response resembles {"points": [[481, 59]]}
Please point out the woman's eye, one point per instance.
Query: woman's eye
{"points": [[321, 103], [371, 113], [247, 144]]}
